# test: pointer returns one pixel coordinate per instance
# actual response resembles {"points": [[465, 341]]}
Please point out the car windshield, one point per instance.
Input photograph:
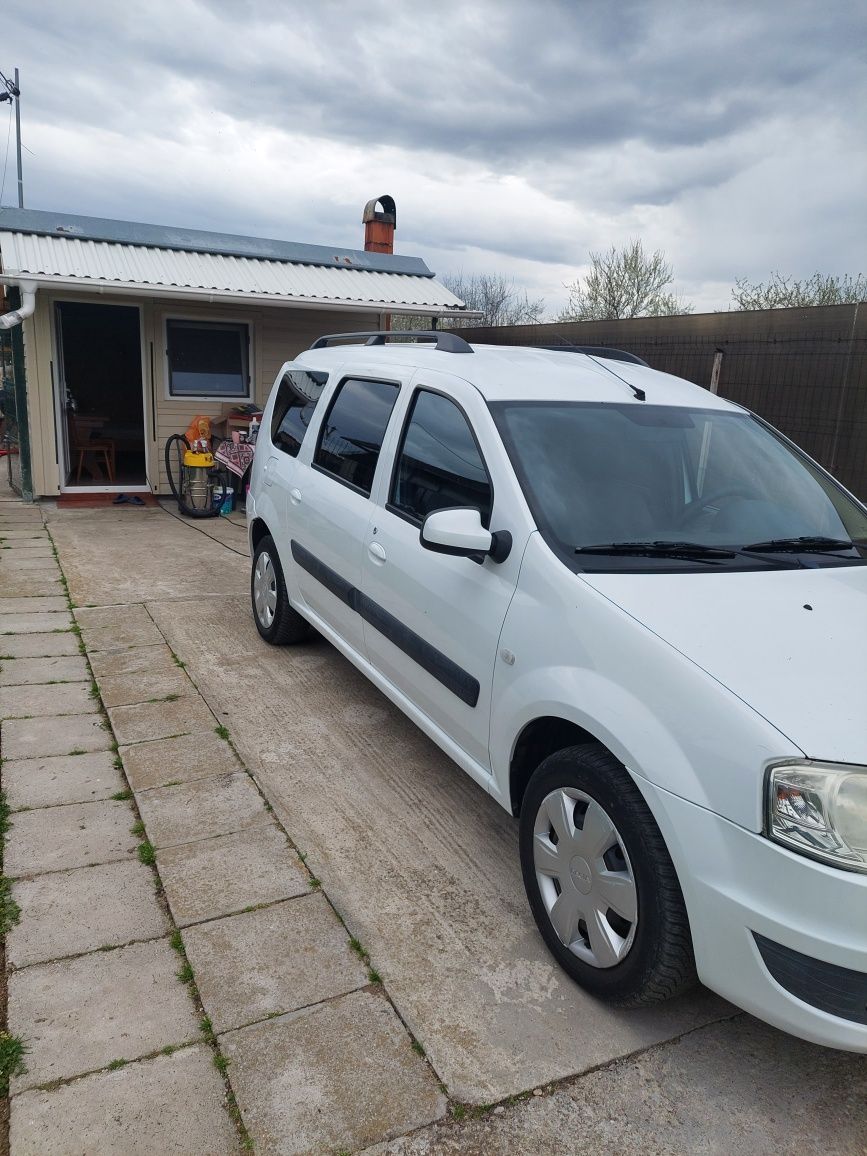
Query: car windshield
{"points": [[644, 487]]}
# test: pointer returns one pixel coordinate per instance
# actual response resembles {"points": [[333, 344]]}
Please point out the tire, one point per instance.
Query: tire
{"points": [[640, 954], [275, 619]]}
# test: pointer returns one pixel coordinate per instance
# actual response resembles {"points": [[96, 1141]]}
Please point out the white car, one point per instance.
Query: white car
{"points": [[630, 610]]}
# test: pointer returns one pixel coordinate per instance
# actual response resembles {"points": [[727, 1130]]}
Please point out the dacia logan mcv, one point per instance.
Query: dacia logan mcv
{"points": [[631, 611]]}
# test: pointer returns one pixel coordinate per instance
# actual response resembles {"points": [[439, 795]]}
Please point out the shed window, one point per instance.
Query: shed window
{"points": [[208, 359]]}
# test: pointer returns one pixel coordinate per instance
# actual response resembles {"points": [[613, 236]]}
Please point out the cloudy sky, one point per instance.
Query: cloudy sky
{"points": [[515, 136]]}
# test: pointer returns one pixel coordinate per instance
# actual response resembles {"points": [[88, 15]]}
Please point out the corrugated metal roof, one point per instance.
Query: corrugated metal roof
{"points": [[48, 224], [64, 260]]}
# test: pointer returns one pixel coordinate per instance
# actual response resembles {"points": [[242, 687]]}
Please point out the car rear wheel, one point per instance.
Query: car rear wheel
{"points": [[275, 619], [600, 881]]}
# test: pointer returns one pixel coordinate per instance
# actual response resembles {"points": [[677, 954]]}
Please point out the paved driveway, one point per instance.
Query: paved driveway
{"points": [[423, 867]]}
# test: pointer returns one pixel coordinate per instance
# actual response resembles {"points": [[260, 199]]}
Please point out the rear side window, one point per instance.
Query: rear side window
{"points": [[353, 430], [439, 465], [297, 395]]}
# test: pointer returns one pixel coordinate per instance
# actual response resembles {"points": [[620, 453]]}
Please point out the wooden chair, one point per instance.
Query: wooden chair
{"points": [[84, 445]]}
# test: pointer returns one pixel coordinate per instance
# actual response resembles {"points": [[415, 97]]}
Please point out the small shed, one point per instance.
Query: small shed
{"points": [[126, 331]]}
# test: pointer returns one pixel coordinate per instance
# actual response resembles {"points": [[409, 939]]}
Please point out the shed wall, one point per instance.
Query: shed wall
{"points": [[276, 335]]}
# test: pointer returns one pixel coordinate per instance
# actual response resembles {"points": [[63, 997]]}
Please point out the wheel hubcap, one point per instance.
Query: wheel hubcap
{"points": [[585, 877], [265, 590]]}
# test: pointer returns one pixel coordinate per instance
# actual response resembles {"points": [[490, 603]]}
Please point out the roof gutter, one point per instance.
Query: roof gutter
{"points": [[27, 306]]}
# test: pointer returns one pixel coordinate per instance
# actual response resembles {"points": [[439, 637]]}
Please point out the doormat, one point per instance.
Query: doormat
{"points": [[101, 501]]}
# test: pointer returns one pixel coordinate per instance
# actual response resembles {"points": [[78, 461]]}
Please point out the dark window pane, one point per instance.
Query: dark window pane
{"points": [[297, 397], [440, 465], [207, 359], [353, 431]]}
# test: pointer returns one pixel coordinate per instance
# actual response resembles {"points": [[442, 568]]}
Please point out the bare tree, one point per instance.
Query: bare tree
{"points": [[494, 295], [624, 283], [780, 292]]}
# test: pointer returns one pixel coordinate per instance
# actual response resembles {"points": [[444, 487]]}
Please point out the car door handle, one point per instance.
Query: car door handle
{"points": [[377, 552], [294, 495]]}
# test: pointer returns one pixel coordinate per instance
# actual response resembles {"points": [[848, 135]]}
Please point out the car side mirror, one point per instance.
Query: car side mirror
{"points": [[460, 532]]}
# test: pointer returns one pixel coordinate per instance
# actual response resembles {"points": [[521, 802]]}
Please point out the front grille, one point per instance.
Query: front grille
{"points": [[840, 991]]}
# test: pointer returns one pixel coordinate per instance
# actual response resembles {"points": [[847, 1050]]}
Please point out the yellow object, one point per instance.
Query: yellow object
{"points": [[192, 458]]}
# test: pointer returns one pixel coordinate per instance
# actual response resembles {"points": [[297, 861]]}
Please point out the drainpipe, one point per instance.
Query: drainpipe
{"points": [[28, 304]]}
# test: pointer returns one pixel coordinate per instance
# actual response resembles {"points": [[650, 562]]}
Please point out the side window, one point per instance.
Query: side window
{"points": [[297, 397], [353, 429], [439, 464]]}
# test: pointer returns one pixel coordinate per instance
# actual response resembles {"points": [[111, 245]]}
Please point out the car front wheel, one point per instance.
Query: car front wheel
{"points": [[275, 619], [600, 881]]}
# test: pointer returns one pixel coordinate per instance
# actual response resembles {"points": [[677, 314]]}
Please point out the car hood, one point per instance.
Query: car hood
{"points": [[791, 643]]}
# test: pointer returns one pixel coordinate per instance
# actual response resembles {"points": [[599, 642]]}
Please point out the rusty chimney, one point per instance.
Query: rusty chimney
{"points": [[379, 225]]}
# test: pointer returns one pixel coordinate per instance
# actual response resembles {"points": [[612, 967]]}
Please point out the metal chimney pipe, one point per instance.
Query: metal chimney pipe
{"points": [[379, 225]]}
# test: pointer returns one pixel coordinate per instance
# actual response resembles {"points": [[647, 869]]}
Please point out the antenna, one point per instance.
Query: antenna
{"points": [[10, 91]]}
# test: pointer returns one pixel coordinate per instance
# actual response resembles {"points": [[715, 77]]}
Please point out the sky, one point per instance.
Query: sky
{"points": [[515, 137]]}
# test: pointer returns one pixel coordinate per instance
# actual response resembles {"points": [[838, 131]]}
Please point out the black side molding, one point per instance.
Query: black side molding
{"points": [[438, 665]]}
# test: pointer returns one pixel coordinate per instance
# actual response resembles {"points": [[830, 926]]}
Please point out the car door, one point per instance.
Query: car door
{"points": [[285, 424], [329, 502], [433, 620]]}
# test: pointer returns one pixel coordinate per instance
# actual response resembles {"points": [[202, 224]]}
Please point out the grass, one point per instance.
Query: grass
{"points": [[185, 975], [78, 751], [417, 1048], [147, 854], [12, 1053], [138, 828], [222, 732], [373, 975], [122, 796], [115, 1064], [10, 912]]}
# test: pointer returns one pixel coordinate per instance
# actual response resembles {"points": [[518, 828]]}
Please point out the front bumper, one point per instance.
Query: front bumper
{"points": [[738, 886]]}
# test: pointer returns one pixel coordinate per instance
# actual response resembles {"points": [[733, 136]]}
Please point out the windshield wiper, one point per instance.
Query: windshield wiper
{"points": [[696, 550], [806, 544]]}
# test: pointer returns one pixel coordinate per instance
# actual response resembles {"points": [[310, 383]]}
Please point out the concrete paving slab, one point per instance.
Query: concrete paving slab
{"points": [[276, 959], [15, 562], [128, 689], [217, 805], [35, 738], [34, 623], [27, 584], [168, 1106], [159, 720], [178, 760], [117, 627], [163, 550], [32, 605], [224, 875], [23, 671], [23, 533], [34, 548], [38, 700], [38, 645], [71, 912], [339, 1075], [20, 516], [60, 838], [734, 1089], [59, 779], [440, 906], [80, 1014], [132, 660]]}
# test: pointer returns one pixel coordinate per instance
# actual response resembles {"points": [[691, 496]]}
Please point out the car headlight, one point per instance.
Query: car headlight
{"points": [[820, 809]]}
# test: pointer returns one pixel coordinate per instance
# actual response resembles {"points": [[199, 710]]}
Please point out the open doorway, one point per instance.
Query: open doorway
{"points": [[101, 411]]}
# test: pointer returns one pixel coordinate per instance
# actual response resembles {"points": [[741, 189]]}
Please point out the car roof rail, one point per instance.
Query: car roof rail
{"points": [[445, 342], [597, 351]]}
